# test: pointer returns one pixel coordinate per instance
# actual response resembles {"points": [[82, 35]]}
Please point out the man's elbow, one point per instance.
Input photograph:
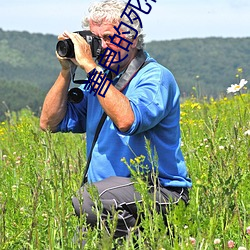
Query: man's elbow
{"points": [[125, 125], [45, 126]]}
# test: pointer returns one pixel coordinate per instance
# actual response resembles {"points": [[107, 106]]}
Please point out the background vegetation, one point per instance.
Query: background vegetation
{"points": [[28, 66], [40, 172]]}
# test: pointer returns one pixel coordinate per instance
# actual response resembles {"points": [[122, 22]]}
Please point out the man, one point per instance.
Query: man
{"points": [[145, 107]]}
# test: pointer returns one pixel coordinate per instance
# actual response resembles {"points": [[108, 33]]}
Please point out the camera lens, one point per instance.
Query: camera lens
{"points": [[75, 95], [65, 48]]}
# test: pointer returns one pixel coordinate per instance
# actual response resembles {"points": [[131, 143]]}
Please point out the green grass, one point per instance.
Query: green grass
{"points": [[40, 172]]}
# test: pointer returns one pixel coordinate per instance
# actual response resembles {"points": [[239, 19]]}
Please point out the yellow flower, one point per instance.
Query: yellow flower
{"points": [[138, 160], [240, 70], [195, 105], [132, 162]]}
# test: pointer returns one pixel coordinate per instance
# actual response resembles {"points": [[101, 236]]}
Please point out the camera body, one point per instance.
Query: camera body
{"points": [[65, 48]]}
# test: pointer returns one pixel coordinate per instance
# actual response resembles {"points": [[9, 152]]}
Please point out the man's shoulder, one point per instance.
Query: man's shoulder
{"points": [[154, 64], [156, 69]]}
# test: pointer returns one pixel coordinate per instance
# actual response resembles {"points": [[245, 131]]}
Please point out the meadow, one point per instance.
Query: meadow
{"points": [[40, 172]]}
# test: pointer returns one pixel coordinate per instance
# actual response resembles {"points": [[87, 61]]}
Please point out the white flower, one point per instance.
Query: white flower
{"points": [[22, 210], [242, 248], [192, 240], [247, 133], [237, 87], [248, 230], [217, 241]]}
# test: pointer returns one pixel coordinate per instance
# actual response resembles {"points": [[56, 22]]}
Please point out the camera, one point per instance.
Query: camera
{"points": [[65, 48], [75, 95]]}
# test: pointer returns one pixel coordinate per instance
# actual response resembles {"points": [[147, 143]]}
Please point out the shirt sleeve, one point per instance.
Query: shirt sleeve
{"points": [[153, 97]]}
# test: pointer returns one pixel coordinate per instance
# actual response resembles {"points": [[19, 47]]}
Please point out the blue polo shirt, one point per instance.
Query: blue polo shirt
{"points": [[154, 97]]}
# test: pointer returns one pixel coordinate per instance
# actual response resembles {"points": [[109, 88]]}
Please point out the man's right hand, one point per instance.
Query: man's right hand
{"points": [[66, 63]]}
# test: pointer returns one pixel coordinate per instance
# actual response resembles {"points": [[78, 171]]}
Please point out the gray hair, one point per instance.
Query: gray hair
{"points": [[110, 11]]}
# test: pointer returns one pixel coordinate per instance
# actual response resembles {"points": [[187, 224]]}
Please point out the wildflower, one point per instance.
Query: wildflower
{"points": [[195, 106], [132, 162], [230, 244], [192, 240], [240, 70], [137, 159], [216, 241], [242, 248], [198, 182], [247, 133], [45, 216], [221, 147], [237, 87], [22, 210], [14, 188], [248, 230]]}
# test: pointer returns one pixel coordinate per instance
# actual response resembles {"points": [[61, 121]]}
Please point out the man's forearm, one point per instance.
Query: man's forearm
{"points": [[118, 108], [55, 103]]}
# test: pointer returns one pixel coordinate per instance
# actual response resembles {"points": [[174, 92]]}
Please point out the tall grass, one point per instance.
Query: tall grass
{"points": [[40, 172]]}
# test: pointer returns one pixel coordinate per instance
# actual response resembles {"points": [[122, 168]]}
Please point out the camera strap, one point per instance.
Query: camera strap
{"points": [[136, 64]]}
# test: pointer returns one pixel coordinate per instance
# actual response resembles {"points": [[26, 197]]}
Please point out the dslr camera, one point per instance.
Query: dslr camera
{"points": [[65, 48]]}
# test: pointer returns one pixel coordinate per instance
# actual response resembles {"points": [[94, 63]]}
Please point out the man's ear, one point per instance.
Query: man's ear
{"points": [[135, 41]]}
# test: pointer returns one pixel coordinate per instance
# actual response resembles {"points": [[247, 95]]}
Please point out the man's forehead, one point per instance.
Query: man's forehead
{"points": [[102, 28]]}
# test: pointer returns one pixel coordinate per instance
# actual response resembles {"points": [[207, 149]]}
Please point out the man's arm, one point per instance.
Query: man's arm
{"points": [[115, 104], [118, 108], [55, 103]]}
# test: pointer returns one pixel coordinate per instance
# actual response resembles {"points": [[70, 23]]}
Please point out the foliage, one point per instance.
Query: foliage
{"points": [[14, 95], [28, 58], [40, 172]]}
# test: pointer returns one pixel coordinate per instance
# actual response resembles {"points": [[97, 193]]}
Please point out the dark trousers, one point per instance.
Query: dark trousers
{"points": [[119, 194]]}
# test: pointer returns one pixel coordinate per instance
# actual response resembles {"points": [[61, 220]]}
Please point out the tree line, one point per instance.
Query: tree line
{"points": [[202, 67]]}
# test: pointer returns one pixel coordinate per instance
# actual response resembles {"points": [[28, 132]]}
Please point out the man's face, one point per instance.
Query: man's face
{"points": [[104, 31]]}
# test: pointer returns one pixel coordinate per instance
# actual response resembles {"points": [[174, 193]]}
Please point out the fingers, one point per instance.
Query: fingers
{"points": [[66, 61], [75, 37], [83, 55], [67, 35], [63, 36]]}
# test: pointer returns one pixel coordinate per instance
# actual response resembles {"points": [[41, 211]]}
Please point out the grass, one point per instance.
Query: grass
{"points": [[40, 172]]}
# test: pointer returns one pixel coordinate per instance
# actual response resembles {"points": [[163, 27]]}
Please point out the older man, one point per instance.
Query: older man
{"points": [[142, 103]]}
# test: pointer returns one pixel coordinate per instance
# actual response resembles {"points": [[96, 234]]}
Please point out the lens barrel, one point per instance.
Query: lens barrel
{"points": [[75, 95], [65, 48]]}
